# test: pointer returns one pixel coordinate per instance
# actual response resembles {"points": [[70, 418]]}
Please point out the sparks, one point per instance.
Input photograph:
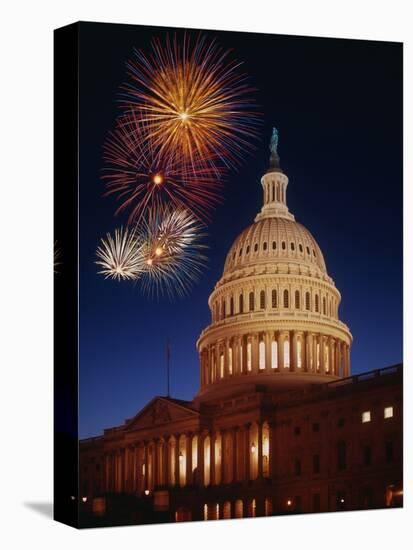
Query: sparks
{"points": [[172, 251], [120, 256], [143, 178], [194, 101]]}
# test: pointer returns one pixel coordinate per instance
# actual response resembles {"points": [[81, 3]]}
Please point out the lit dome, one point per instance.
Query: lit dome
{"points": [[274, 312], [273, 241]]}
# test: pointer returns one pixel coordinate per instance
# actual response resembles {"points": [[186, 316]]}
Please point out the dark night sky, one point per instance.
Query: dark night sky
{"points": [[338, 107]]}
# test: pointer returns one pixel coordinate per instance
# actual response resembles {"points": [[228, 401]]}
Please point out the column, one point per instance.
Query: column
{"points": [[235, 356], [244, 353], [337, 361], [200, 460], [217, 361], [293, 351], [315, 366], [146, 455], [280, 350], [307, 345], [188, 473], [271, 448], [268, 351], [259, 450], [322, 355], [176, 459], [255, 354], [330, 356], [222, 466], [212, 439], [155, 474], [247, 450], [235, 454]]}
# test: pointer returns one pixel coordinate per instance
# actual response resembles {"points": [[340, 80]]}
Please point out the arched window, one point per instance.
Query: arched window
{"points": [[274, 298], [307, 301], [248, 249], [300, 247], [283, 245], [231, 306], [261, 353], [324, 306], [262, 299], [255, 247], [274, 245], [251, 299], [316, 303], [286, 300], [292, 246], [273, 192], [297, 299], [241, 303], [264, 246], [240, 252], [287, 354], [308, 250]]}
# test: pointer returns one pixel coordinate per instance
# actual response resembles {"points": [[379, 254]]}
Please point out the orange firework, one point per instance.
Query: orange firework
{"points": [[143, 176], [194, 101]]}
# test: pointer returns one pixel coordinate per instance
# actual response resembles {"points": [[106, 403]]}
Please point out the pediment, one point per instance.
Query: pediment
{"points": [[160, 411]]}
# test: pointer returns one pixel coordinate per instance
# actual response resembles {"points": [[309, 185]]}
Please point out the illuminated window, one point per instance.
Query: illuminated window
{"points": [[274, 355], [286, 300], [261, 350], [287, 354], [297, 299], [262, 299], [230, 360], [366, 417], [307, 301], [388, 412], [274, 298], [251, 301]]}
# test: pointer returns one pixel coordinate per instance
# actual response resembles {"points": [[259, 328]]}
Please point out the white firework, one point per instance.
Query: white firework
{"points": [[120, 257]]}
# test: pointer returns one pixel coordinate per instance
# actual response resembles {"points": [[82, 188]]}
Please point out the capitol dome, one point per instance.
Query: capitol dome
{"points": [[274, 312]]}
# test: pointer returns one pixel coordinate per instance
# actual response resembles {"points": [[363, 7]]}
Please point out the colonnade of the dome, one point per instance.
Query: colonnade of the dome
{"points": [[271, 352]]}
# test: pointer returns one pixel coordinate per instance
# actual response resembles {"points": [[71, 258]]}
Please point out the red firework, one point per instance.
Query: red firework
{"points": [[142, 175]]}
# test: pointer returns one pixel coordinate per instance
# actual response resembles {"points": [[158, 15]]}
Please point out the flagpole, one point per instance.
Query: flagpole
{"points": [[167, 366]]}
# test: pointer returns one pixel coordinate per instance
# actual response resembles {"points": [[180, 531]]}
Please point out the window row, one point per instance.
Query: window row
{"points": [[273, 245], [296, 300]]}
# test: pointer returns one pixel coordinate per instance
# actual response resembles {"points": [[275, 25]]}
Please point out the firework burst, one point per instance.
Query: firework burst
{"points": [[120, 257], [194, 101], [143, 177], [172, 251]]}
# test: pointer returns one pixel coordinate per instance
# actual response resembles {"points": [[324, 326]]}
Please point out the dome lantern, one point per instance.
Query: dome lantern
{"points": [[274, 183]]}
